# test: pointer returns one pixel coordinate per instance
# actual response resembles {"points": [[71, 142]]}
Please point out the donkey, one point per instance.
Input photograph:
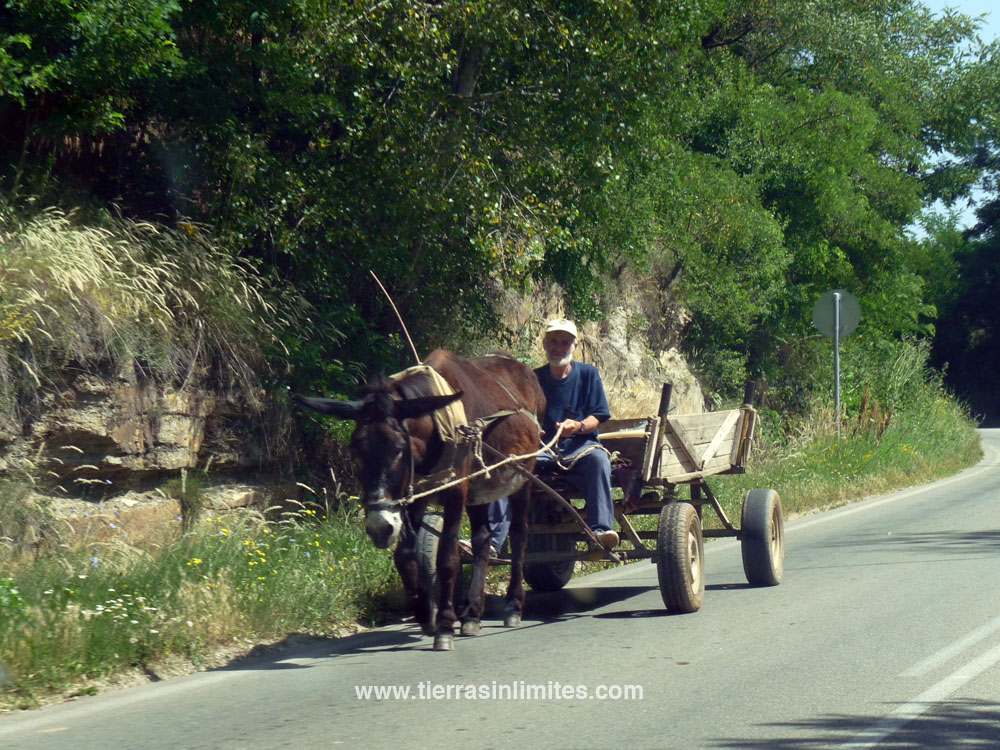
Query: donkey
{"points": [[396, 442]]}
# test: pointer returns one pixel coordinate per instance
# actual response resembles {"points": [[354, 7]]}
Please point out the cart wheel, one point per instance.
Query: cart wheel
{"points": [[680, 558], [549, 576], [428, 537], [763, 534]]}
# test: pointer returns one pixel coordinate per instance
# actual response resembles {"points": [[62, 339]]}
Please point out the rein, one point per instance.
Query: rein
{"points": [[485, 471]]}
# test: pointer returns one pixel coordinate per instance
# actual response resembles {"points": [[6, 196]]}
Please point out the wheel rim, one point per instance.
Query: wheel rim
{"points": [[776, 541], [694, 560]]}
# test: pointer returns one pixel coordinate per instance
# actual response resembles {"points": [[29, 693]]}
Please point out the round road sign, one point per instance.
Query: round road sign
{"points": [[824, 313]]}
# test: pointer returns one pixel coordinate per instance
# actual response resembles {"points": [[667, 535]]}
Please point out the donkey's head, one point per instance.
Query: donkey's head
{"points": [[381, 445]]}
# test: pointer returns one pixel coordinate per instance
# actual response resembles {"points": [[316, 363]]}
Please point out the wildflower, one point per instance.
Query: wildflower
{"points": [[308, 555], [112, 526], [94, 562], [154, 631]]}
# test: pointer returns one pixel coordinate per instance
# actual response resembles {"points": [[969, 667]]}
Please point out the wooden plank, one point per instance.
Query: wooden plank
{"points": [[679, 442], [741, 437], [679, 472], [724, 432], [610, 426], [701, 428], [652, 454]]}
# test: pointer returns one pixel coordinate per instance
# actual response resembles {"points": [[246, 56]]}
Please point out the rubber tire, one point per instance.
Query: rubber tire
{"points": [[549, 576], [680, 558], [763, 538], [428, 538]]}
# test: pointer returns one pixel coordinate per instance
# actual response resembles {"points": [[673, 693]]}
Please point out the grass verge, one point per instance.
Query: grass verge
{"points": [[101, 602]]}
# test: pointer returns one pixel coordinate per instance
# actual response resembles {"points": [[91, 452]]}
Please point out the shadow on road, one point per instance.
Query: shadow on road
{"points": [[546, 607], [964, 542], [961, 723]]}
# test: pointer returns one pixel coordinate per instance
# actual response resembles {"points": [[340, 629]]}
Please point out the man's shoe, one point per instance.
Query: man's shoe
{"points": [[608, 539], [494, 553]]}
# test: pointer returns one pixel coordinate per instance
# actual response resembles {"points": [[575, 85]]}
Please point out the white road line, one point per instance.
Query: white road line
{"points": [[905, 713], [949, 652]]}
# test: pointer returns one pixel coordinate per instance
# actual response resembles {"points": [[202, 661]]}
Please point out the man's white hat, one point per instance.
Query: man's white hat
{"points": [[561, 324]]}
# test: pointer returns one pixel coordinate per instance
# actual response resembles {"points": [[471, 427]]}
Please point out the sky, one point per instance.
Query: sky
{"points": [[974, 8]]}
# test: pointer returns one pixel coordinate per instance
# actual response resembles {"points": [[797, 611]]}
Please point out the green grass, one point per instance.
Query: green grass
{"points": [[931, 438], [100, 603]]}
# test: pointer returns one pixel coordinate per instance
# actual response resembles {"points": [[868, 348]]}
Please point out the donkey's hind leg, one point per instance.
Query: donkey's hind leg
{"points": [[475, 601], [514, 606]]}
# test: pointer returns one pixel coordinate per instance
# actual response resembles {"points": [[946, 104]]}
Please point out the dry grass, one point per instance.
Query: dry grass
{"points": [[165, 299]]}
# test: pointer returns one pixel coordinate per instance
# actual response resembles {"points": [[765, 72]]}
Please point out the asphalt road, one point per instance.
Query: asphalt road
{"points": [[885, 632]]}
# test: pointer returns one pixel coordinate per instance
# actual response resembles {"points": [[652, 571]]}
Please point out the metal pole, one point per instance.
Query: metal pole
{"points": [[836, 360]]}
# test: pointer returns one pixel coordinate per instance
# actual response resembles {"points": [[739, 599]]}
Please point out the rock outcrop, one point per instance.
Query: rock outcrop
{"points": [[124, 433]]}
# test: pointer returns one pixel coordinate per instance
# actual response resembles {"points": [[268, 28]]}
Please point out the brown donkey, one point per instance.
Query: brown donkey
{"points": [[397, 442]]}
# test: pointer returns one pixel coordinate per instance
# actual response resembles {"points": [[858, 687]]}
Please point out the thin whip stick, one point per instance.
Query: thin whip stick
{"points": [[400, 317]]}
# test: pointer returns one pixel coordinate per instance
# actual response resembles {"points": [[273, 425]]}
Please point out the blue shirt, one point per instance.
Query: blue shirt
{"points": [[579, 395]]}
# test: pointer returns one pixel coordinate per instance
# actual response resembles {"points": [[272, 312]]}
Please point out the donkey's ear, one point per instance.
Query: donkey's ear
{"points": [[411, 408], [331, 406]]}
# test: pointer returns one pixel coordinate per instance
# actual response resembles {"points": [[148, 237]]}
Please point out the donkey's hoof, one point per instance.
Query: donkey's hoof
{"points": [[471, 627], [512, 620], [444, 642]]}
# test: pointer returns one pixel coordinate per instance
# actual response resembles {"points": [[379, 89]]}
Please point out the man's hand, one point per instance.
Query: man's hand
{"points": [[570, 427]]}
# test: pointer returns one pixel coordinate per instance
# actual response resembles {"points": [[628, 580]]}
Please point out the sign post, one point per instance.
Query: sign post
{"points": [[836, 315]]}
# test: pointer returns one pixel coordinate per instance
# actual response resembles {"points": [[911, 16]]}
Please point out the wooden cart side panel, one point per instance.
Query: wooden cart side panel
{"points": [[698, 443], [633, 439]]}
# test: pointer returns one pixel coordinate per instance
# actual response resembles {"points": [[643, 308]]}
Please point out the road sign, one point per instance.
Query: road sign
{"points": [[825, 312], [836, 314]]}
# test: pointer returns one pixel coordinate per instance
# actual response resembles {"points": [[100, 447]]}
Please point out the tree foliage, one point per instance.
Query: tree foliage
{"points": [[745, 157]]}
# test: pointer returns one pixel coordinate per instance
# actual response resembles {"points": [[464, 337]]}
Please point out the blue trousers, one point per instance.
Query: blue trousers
{"points": [[591, 476]]}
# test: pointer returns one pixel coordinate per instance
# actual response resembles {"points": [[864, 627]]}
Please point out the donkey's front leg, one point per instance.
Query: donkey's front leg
{"points": [[472, 614], [448, 566], [418, 597], [514, 606]]}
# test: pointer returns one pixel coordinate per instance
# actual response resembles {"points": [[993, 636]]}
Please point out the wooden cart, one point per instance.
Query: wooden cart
{"points": [[654, 456]]}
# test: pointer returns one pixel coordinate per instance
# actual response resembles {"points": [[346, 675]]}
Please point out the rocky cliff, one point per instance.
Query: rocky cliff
{"points": [[124, 433]]}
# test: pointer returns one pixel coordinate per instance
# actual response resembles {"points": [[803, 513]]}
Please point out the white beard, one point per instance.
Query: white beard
{"points": [[561, 361]]}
